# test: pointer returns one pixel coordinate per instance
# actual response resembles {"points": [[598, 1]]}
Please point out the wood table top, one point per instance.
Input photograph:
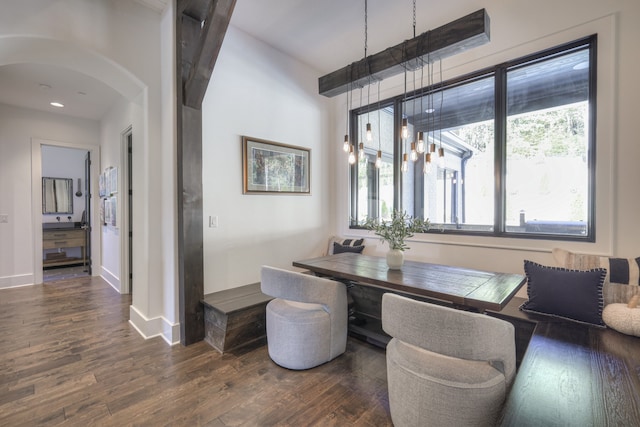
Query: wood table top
{"points": [[482, 290]]}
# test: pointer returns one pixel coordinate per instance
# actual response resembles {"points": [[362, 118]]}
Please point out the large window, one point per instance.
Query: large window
{"points": [[518, 144]]}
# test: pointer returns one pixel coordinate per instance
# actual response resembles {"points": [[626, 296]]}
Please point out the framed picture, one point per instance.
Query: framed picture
{"points": [[102, 186], [270, 167], [107, 211], [113, 180], [113, 205]]}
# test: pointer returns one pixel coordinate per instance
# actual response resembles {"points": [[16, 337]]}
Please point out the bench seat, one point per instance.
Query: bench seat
{"points": [[571, 374], [235, 317]]}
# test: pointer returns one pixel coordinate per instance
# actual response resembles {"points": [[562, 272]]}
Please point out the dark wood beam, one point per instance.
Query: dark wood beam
{"points": [[213, 28], [457, 36], [200, 28]]}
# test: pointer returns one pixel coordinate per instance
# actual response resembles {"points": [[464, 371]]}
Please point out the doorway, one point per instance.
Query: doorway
{"points": [[66, 232], [127, 213]]}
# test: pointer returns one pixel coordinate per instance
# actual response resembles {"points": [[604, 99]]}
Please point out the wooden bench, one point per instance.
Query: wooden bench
{"points": [[571, 374], [235, 317]]}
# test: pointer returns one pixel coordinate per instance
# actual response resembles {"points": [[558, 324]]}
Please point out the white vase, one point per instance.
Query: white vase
{"points": [[395, 259]]}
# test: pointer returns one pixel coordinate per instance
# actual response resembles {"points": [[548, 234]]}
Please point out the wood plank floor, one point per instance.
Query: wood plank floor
{"points": [[69, 357]]}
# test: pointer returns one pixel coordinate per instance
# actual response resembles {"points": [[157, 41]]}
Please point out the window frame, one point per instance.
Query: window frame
{"points": [[499, 73]]}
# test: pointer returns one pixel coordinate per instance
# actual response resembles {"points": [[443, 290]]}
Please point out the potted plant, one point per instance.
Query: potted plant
{"points": [[401, 227]]}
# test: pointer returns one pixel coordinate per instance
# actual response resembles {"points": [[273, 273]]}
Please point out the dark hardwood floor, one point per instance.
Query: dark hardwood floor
{"points": [[68, 356]]}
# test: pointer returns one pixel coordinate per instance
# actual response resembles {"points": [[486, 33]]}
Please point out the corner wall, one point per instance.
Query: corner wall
{"points": [[260, 92]]}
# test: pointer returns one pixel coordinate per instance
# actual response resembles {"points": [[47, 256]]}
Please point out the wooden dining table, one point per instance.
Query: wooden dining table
{"points": [[475, 289], [368, 278]]}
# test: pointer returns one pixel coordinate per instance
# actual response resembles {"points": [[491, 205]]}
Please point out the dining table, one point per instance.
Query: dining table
{"points": [[476, 289]]}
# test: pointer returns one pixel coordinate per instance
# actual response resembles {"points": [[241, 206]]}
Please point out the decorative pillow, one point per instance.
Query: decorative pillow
{"points": [[568, 294], [625, 271], [338, 248], [623, 274], [622, 318], [343, 242]]}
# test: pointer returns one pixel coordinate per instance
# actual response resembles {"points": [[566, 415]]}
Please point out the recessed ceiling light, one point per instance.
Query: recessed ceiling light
{"points": [[57, 104], [44, 86], [81, 92], [430, 110]]}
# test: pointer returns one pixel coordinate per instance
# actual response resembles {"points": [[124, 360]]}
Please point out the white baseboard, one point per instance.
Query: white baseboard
{"points": [[110, 278], [151, 328], [16, 281]]}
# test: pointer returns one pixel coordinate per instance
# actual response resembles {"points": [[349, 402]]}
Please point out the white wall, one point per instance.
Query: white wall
{"points": [[18, 126], [112, 127], [260, 92], [520, 28]]}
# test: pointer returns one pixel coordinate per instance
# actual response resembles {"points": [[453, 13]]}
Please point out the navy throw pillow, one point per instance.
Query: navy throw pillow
{"points": [[570, 294], [338, 248]]}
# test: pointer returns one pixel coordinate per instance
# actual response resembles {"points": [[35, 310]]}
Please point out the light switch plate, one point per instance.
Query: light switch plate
{"points": [[4, 219], [213, 221]]}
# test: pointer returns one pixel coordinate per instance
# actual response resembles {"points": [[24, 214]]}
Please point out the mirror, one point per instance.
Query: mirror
{"points": [[57, 196]]}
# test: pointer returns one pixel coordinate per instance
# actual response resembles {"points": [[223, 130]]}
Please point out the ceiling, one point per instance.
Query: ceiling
{"points": [[34, 86], [329, 34], [325, 35]]}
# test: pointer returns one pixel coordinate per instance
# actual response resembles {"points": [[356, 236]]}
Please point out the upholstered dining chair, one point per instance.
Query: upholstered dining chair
{"points": [[307, 320], [445, 367]]}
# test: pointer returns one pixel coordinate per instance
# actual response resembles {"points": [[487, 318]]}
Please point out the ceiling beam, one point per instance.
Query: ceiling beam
{"points": [[452, 38], [205, 23]]}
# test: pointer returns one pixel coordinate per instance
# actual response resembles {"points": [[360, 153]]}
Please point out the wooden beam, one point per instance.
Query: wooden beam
{"points": [[457, 36], [197, 48], [212, 34]]}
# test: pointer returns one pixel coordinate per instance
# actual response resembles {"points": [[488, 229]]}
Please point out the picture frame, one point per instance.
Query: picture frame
{"points": [[102, 189], [113, 180], [113, 205], [107, 211], [273, 168]]}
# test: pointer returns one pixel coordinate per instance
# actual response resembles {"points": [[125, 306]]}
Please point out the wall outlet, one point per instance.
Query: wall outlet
{"points": [[213, 221], [4, 219]]}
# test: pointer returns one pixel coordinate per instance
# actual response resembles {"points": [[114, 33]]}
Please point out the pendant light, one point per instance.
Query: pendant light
{"points": [[361, 155], [420, 138], [366, 30], [426, 169], [431, 111], [414, 152], [404, 131], [379, 154], [441, 159], [346, 145]]}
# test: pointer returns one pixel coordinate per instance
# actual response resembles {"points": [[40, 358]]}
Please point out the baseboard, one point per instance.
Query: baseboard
{"points": [[110, 278], [151, 328], [16, 281]]}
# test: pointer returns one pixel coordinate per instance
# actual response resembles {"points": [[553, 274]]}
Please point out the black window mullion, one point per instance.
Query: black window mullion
{"points": [[353, 176], [500, 135]]}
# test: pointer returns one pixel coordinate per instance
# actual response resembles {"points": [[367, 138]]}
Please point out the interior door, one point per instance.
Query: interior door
{"points": [[87, 211]]}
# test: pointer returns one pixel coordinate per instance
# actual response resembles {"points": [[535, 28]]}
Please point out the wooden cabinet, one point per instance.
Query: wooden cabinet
{"points": [[63, 239]]}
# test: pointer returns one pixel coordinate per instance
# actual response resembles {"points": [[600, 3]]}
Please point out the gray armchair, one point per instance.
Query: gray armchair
{"points": [[446, 367], [307, 320]]}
